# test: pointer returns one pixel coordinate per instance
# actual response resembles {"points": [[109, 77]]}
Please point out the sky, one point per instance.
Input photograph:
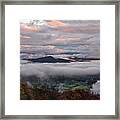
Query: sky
{"points": [[60, 37]]}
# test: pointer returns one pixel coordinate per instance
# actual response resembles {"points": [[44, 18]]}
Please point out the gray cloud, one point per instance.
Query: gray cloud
{"points": [[43, 71], [77, 36]]}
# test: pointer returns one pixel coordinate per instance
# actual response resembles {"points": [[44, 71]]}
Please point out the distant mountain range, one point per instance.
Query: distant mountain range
{"points": [[50, 59]]}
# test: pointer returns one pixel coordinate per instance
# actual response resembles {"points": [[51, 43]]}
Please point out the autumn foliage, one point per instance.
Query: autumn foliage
{"points": [[28, 93]]}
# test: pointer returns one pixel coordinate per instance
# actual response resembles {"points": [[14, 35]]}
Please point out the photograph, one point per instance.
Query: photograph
{"points": [[59, 59], [62, 63]]}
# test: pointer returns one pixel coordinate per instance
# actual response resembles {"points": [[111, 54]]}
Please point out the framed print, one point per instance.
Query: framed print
{"points": [[59, 59]]}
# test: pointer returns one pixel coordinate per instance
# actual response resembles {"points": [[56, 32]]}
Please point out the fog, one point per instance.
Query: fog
{"points": [[44, 71]]}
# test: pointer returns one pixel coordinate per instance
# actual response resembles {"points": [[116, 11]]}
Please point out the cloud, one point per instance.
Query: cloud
{"points": [[28, 28], [24, 37], [48, 49], [67, 36], [71, 70], [26, 46], [56, 23]]}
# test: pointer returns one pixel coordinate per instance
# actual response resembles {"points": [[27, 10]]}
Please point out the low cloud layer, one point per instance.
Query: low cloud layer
{"points": [[71, 70]]}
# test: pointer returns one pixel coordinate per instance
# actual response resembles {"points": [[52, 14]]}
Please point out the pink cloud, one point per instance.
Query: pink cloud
{"points": [[28, 28], [24, 37], [56, 23], [25, 46]]}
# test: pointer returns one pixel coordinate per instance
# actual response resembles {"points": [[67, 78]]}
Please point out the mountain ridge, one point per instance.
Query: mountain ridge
{"points": [[48, 59]]}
